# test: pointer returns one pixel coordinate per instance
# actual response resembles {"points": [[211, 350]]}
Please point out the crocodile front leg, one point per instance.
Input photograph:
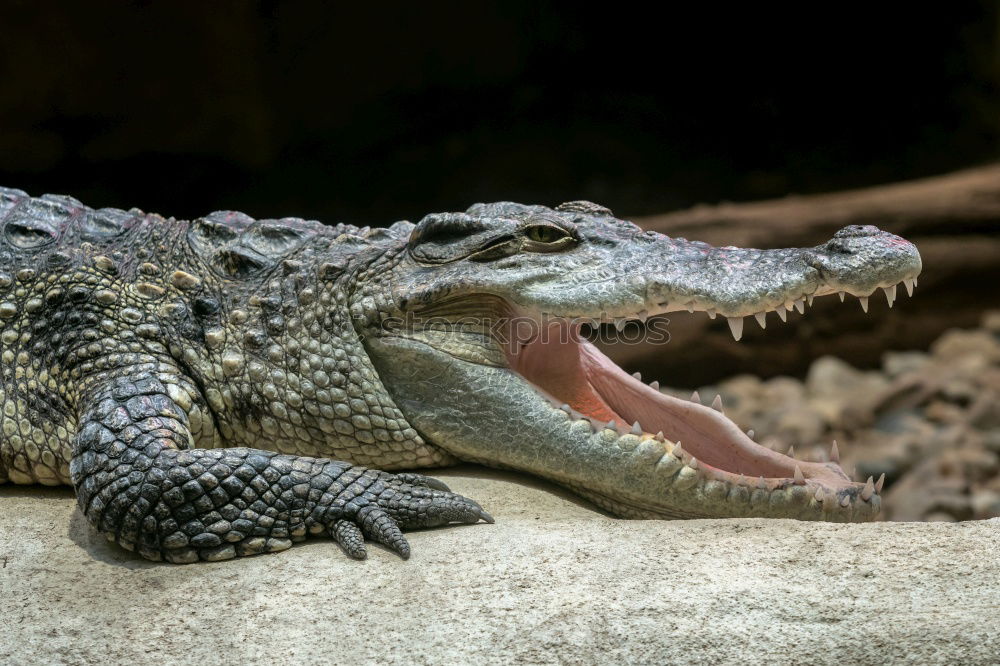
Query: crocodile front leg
{"points": [[138, 483]]}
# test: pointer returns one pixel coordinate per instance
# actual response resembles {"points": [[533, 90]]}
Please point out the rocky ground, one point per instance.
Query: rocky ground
{"points": [[929, 421], [554, 581]]}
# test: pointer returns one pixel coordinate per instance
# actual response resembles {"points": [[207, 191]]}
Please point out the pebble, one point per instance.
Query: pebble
{"points": [[929, 421]]}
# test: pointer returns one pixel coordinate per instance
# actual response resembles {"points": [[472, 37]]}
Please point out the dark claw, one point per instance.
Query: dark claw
{"points": [[378, 525], [473, 512], [390, 535]]}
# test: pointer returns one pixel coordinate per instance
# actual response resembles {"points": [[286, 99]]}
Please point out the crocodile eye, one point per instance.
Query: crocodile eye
{"points": [[544, 233]]}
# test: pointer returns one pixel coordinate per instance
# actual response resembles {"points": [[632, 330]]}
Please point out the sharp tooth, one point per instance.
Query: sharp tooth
{"points": [[868, 490], [845, 500], [908, 283], [636, 429], [782, 312], [819, 495], [620, 324], [809, 300], [914, 283], [717, 403], [711, 313], [659, 437], [736, 326], [611, 425], [791, 451], [841, 294], [761, 318], [835, 452], [637, 375], [799, 479], [690, 306], [750, 433], [890, 294], [800, 305], [880, 483], [655, 385], [642, 316], [761, 483], [693, 463], [566, 408], [742, 480], [864, 302], [677, 450], [695, 397]]}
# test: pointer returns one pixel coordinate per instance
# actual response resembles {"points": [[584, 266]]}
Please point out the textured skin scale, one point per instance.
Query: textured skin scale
{"points": [[247, 337], [196, 382]]}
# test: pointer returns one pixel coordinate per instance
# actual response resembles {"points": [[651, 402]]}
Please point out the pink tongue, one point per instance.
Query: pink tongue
{"points": [[714, 440], [557, 369]]}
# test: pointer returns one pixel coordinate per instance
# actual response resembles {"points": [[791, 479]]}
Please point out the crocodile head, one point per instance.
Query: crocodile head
{"points": [[479, 339]]}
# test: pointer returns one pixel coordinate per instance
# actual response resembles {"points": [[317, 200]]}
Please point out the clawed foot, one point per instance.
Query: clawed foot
{"points": [[394, 502]]}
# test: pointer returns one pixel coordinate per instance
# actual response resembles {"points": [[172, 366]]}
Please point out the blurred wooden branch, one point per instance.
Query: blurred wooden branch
{"points": [[953, 219], [959, 204]]}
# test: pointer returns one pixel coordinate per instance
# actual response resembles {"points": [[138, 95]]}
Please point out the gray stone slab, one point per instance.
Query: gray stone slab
{"points": [[553, 581]]}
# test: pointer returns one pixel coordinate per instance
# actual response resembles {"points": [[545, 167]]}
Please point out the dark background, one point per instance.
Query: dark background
{"points": [[372, 115]]}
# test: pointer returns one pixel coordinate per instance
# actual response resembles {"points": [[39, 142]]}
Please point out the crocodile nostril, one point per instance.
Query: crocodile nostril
{"points": [[858, 231]]}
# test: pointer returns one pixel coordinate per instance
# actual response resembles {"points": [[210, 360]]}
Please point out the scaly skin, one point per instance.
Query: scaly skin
{"points": [[198, 382]]}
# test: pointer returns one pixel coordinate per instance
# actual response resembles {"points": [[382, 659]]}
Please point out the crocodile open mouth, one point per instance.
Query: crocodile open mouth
{"points": [[575, 376], [572, 371]]}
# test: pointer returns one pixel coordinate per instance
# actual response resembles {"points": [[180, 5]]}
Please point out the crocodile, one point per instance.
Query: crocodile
{"points": [[229, 386]]}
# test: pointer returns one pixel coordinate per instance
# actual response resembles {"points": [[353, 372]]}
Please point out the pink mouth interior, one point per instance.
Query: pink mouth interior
{"points": [[573, 371]]}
